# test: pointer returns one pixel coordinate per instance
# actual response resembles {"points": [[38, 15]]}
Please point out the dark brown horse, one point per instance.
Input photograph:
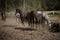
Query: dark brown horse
{"points": [[30, 18]]}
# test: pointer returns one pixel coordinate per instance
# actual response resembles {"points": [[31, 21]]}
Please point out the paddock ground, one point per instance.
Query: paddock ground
{"points": [[10, 31]]}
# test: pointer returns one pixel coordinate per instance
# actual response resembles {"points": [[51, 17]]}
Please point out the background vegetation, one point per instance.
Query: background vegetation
{"points": [[30, 4]]}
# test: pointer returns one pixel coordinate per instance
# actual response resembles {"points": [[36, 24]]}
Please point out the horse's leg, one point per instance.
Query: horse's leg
{"points": [[45, 22], [39, 24], [2, 18], [18, 20], [22, 21], [33, 23], [36, 23], [29, 22]]}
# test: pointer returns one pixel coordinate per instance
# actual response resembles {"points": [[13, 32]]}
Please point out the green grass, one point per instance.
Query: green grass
{"points": [[52, 15]]}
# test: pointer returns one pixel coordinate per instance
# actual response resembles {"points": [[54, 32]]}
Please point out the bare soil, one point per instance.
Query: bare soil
{"points": [[10, 31]]}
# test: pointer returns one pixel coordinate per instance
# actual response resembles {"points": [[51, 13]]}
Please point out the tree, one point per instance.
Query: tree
{"points": [[51, 4]]}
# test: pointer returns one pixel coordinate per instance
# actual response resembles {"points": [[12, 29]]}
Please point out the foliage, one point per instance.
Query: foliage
{"points": [[30, 4], [51, 5]]}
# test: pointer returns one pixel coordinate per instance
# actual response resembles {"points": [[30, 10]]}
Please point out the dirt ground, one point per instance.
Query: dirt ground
{"points": [[10, 31]]}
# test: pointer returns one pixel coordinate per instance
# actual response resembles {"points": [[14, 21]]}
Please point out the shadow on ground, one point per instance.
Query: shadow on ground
{"points": [[55, 30], [26, 29], [9, 25], [20, 28]]}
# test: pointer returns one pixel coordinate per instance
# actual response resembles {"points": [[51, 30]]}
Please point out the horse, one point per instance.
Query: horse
{"points": [[40, 18], [19, 16], [35, 18], [30, 18]]}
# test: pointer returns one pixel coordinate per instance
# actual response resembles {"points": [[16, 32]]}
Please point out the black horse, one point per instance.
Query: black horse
{"points": [[30, 18]]}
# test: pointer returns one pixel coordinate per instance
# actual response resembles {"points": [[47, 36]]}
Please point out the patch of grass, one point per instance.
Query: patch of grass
{"points": [[53, 15]]}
